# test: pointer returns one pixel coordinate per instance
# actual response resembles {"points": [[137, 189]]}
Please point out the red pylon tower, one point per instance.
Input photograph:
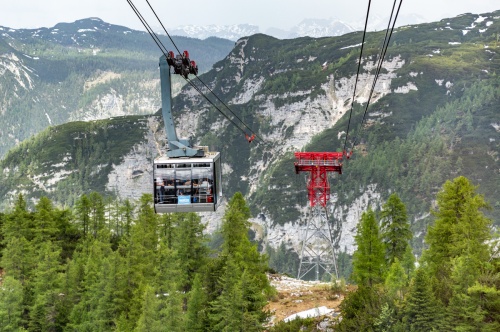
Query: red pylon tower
{"points": [[318, 250]]}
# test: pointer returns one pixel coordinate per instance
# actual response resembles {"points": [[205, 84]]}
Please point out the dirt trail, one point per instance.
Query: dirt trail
{"points": [[297, 295]]}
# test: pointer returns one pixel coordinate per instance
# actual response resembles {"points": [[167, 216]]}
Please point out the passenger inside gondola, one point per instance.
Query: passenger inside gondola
{"points": [[162, 192], [185, 184], [170, 197]]}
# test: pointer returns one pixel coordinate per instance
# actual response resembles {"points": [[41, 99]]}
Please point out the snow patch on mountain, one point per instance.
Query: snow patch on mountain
{"points": [[48, 181], [406, 88]]}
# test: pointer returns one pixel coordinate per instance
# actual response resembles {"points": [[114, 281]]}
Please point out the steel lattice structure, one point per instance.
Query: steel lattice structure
{"points": [[318, 250]]}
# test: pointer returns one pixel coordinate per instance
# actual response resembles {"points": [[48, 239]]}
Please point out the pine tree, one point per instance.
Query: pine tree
{"points": [[368, 259], [360, 309], [18, 223], [97, 213], [408, 262], [17, 259], [191, 248], [421, 312], [109, 293], [241, 288], [45, 228], [196, 313], [396, 280], [167, 228], [139, 252], [46, 289], [226, 312], [485, 295], [83, 213], [169, 281], [96, 310], [253, 302], [235, 227], [466, 311], [11, 308], [126, 211], [386, 321], [71, 287], [460, 229], [395, 228], [68, 235], [172, 316], [149, 321], [235, 224]]}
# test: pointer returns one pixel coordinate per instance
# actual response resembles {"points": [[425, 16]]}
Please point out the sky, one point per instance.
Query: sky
{"points": [[282, 14]]}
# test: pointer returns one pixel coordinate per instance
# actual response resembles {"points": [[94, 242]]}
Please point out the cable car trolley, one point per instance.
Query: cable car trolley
{"points": [[188, 178]]}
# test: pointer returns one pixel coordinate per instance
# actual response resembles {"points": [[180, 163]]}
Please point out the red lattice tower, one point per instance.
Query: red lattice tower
{"points": [[318, 164], [317, 254]]}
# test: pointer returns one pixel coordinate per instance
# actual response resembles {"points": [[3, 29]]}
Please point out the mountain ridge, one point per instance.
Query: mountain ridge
{"points": [[97, 69], [434, 105], [309, 27]]}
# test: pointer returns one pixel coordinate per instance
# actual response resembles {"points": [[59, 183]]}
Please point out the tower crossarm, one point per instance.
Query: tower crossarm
{"points": [[311, 161], [318, 164]]}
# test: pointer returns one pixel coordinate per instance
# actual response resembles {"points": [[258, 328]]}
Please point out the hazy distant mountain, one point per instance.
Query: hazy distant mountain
{"points": [[377, 22], [231, 32], [307, 28], [321, 28]]}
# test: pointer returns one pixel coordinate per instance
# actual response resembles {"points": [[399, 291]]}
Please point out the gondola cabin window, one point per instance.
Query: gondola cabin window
{"points": [[186, 186]]}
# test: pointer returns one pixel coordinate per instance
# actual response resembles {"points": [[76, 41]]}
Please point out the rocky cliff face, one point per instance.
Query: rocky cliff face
{"points": [[296, 94], [306, 117]]}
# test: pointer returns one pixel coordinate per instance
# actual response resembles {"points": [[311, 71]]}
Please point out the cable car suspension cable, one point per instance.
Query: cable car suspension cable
{"points": [[250, 129], [246, 126], [357, 74], [158, 42], [382, 54], [225, 115], [164, 51]]}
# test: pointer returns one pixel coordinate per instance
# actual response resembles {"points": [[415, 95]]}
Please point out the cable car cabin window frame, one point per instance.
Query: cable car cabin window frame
{"points": [[191, 185]]}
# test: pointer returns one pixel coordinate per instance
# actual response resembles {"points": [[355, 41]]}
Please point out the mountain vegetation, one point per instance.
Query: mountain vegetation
{"points": [[85, 70], [106, 265], [434, 117], [455, 286]]}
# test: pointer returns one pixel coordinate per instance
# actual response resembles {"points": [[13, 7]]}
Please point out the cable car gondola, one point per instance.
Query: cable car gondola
{"points": [[187, 179], [187, 184]]}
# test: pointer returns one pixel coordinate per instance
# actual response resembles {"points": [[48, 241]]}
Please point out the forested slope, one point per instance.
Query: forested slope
{"points": [[106, 266], [84, 70], [434, 116]]}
